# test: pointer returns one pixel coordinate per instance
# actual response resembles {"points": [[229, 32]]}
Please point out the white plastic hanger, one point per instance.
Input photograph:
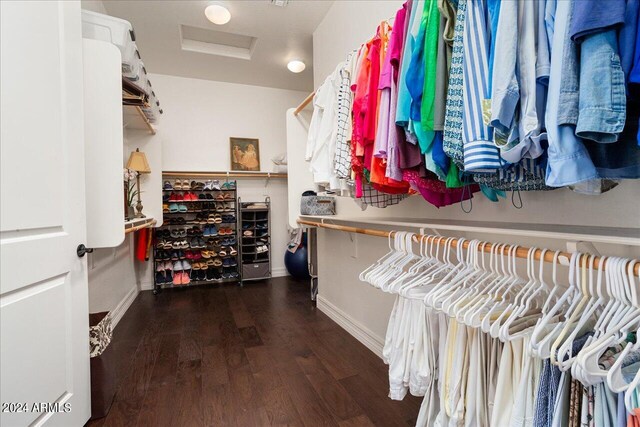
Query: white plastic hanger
{"points": [[615, 379], [634, 386], [543, 334]]}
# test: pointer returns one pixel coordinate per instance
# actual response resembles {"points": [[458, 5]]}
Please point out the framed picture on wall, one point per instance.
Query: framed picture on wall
{"points": [[245, 154]]}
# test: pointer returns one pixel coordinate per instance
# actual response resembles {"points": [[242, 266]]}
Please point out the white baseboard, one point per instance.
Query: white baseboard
{"points": [[279, 272], [123, 306], [146, 286], [355, 328]]}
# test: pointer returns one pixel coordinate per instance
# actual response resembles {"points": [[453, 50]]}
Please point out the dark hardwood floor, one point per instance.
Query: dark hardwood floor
{"points": [[254, 356]]}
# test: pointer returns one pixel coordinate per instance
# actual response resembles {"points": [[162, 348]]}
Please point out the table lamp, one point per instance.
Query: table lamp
{"points": [[138, 162]]}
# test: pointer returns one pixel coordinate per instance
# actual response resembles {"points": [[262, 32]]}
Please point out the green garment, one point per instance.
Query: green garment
{"points": [[453, 177], [432, 31]]}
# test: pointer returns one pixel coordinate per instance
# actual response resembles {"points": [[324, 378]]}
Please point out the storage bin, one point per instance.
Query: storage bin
{"points": [[256, 270], [113, 30]]}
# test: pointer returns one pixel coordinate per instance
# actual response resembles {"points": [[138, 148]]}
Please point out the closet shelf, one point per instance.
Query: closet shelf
{"points": [[595, 234], [138, 224], [234, 174], [134, 118], [520, 251]]}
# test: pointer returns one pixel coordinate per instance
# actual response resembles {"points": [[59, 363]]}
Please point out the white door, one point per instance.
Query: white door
{"points": [[44, 345]]}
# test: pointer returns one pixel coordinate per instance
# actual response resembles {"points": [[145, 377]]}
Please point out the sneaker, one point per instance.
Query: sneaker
{"points": [[177, 278], [161, 277], [177, 266], [185, 279], [186, 265], [210, 275]]}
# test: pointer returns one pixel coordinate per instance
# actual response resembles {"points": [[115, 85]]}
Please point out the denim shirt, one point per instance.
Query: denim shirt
{"points": [[568, 160]]}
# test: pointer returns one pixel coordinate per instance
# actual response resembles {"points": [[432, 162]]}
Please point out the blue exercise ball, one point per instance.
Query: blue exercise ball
{"points": [[296, 263]]}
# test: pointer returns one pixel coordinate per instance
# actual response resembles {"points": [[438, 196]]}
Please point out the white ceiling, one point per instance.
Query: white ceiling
{"points": [[282, 33]]}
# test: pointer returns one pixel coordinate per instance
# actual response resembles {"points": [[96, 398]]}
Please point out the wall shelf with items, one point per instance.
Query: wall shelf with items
{"points": [[227, 174], [197, 243], [255, 235]]}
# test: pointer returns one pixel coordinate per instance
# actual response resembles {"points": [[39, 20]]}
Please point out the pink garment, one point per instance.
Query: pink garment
{"points": [[436, 192], [389, 75]]}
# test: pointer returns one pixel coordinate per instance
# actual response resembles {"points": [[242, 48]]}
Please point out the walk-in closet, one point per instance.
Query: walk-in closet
{"points": [[320, 213]]}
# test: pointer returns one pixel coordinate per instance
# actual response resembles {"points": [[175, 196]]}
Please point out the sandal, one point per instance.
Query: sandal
{"points": [[217, 262], [217, 218]]}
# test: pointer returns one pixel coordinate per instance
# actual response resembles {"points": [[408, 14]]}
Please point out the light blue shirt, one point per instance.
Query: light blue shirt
{"points": [[568, 161]]}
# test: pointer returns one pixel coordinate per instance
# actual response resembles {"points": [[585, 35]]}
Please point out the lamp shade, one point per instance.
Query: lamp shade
{"points": [[138, 162]]}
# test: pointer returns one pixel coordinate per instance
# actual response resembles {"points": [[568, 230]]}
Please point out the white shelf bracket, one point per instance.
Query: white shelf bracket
{"points": [[583, 247]]}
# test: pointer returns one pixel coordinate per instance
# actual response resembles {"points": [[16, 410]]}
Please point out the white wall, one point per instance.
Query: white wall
{"points": [[345, 26], [199, 118], [94, 6], [342, 256]]}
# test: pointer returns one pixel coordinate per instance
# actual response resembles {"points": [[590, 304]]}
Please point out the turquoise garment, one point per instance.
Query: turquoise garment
{"points": [[414, 81], [403, 106]]}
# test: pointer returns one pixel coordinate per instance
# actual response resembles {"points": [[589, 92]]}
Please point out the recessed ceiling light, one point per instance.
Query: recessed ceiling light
{"points": [[296, 66], [217, 14]]}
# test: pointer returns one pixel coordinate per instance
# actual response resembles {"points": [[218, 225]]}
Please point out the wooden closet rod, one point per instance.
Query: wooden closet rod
{"points": [[521, 251], [180, 174], [147, 224], [304, 103]]}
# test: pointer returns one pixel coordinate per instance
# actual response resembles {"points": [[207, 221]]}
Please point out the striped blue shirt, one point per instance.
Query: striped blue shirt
{"points": [[480, 153]]}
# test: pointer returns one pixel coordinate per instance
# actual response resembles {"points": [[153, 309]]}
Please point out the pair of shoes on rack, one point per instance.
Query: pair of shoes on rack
{"points": [[207, 254], [180, 244], [229, 262], [212, 185], [164, 272], [193, 255], [183, 197], [181, 278], [181, 184], [210, 231], [229, 185], [183, 265], [178, 208], [231, 241], [176, 232], [214, 219], [197, 243], [197, 185], [262, 249]]}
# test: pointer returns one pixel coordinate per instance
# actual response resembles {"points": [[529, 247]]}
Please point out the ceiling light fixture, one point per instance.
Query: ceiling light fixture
{"points": [[296, 66], [217, 14]]}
